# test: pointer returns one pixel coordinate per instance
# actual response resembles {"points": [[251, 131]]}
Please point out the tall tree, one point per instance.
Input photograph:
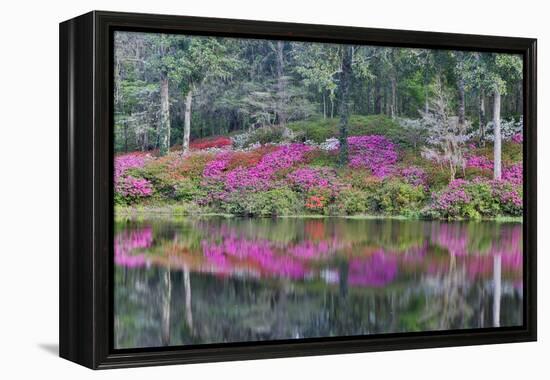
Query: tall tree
{"points": [[460, 84], [198, 60], [502, 70], [447, 136], [344, 106], [319, 66], [164, 127]]}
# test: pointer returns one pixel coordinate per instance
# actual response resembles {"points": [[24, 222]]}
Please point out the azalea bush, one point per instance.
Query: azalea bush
{"points": [[373, 152], [380, 178], [415, 176], [480, 198], [210, 142], [129, 189]]}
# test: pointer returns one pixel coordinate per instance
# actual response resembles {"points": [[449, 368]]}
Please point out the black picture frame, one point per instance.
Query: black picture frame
{"points": [[86, 189]]}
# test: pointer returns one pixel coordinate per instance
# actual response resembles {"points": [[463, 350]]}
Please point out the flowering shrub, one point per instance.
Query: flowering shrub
{"points": [[373, 152], [129, 161], [476, 199], [249, 158], [315, 202], [479, 162], [451, 202], [415, 176], [210, 142], [261, 176], [294, 178], [510, 197], [513, 174], [307, 178], [133, 188], [247, 179], [517, 138], [219, 164], [128, 188]]}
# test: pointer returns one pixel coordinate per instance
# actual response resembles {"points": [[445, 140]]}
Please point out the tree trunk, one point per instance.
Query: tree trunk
{"points": [[497, 285], [482, 116], [497, 134], [187, 288], [164, 127], [393, 111], [281, 85], [126, 137], [367, 100], [377, 97], [461, 106], [344, 109], [187, 120], [324, 106]]}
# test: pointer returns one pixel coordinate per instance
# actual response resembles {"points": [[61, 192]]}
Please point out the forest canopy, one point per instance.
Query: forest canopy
{"points": [[219, 86]]}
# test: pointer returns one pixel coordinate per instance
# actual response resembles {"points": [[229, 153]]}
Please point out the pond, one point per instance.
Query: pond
{"points": [[216, 279]]}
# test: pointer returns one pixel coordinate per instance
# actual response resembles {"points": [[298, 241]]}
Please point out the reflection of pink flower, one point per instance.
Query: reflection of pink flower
{"points": [[128, 241], [453, 237], [260, 252], [376, 270]]}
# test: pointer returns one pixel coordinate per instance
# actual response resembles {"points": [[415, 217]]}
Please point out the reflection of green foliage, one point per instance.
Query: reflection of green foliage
{"points": [[411, 318]]}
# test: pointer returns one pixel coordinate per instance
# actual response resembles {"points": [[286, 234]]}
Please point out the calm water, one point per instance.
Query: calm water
{"points": [[228, 280]]}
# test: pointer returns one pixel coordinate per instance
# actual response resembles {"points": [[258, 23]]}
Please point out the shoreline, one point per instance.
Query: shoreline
{"points": [[124, 212]]}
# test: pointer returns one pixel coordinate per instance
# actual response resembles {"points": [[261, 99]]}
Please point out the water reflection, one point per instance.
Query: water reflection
{"points": [[225, 280]]}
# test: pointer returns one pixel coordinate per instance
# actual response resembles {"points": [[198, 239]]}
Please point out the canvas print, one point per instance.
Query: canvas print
{"points": [[280, 190]]}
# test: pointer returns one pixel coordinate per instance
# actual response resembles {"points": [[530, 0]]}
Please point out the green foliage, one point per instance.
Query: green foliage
{"points": [[317, 130], [353, 202], [265, 135], [373, 196], [471, 200], [188, 190], [482, 202], [400, 198], [275, 202], [321, 158]]}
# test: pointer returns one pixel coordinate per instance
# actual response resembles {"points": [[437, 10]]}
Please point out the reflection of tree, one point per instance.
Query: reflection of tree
{"points": [[497, 290], [450, 307], [218, 281], [187, 287], [166, 307]]}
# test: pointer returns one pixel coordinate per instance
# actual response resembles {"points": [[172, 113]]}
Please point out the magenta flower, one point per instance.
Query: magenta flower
{"points": [[373, 152]]}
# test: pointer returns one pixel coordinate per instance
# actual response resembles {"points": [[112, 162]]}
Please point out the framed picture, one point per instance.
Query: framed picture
{"points": [[236, 189]]}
